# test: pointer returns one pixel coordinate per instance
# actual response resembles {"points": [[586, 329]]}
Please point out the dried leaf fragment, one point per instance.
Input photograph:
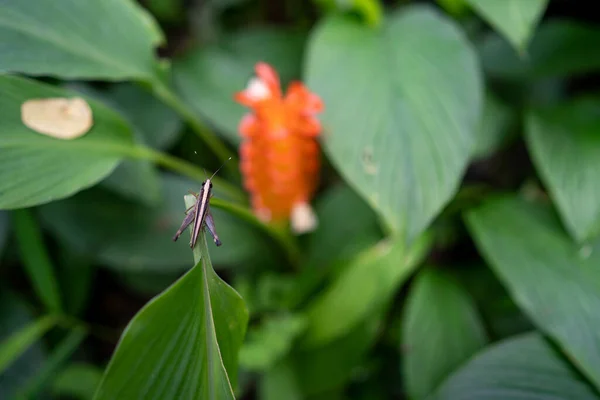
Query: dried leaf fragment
{"points": [[60, 117]]}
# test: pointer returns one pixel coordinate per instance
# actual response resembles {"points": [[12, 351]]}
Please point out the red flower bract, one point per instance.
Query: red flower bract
{"points": [[279, 153]]}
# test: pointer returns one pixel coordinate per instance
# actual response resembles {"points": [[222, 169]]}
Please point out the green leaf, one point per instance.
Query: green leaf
{"points": [[324, 368], [153, 123], [270, 342], [522, 367], [37, 169], [514, 19], [441, 330], [559, 48], [135, 180], [15, 345], [14, 315], [132, 237], [36, 260], [183, 343], [502, 316], [364, 286], [564, 142], [209, 77], [556, 283], [108, 39], [494, 126], [280, 383], [59, 356], [402, 140], [77, 380], [325, 248], [325, 243], [268, 292], [158, 125]]}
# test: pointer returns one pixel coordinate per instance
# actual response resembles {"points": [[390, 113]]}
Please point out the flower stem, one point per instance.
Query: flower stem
{"points": [[187, 169], [164, 92]]}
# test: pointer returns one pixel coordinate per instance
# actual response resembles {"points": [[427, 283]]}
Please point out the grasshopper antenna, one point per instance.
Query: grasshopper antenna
{"points": [[203, 169], [213, 175]]}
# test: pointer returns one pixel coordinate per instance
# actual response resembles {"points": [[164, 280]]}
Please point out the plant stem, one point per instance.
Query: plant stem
{"points": [[163, 92], [187, 169]]}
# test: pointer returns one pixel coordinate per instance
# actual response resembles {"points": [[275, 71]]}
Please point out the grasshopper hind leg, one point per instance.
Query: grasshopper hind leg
{"points": [[189, 218]]}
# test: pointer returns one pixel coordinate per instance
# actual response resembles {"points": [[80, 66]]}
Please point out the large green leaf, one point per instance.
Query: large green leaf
{"points": [[132, 237], [554, 281], [558, 49], [158, 125], [103, 39], [441, 330], [154, 125], [514, 19], [183, 344], [37, 261], [519, 368], [364, 286], [208, 78], [37, 169], [565, 144], [400, 121]]}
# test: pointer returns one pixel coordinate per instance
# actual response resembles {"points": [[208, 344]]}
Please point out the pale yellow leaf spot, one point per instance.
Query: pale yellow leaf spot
{"points": [[60, 118]]}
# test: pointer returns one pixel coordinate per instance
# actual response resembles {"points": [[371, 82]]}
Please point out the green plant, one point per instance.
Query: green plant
{"points": [[456, 254]]}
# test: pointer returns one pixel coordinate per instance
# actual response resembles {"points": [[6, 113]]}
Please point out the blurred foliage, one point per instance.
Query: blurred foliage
{"points": [[456, 255]]}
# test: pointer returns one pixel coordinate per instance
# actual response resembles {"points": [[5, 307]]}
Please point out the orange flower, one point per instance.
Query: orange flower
{"points": [[280, 154]]}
